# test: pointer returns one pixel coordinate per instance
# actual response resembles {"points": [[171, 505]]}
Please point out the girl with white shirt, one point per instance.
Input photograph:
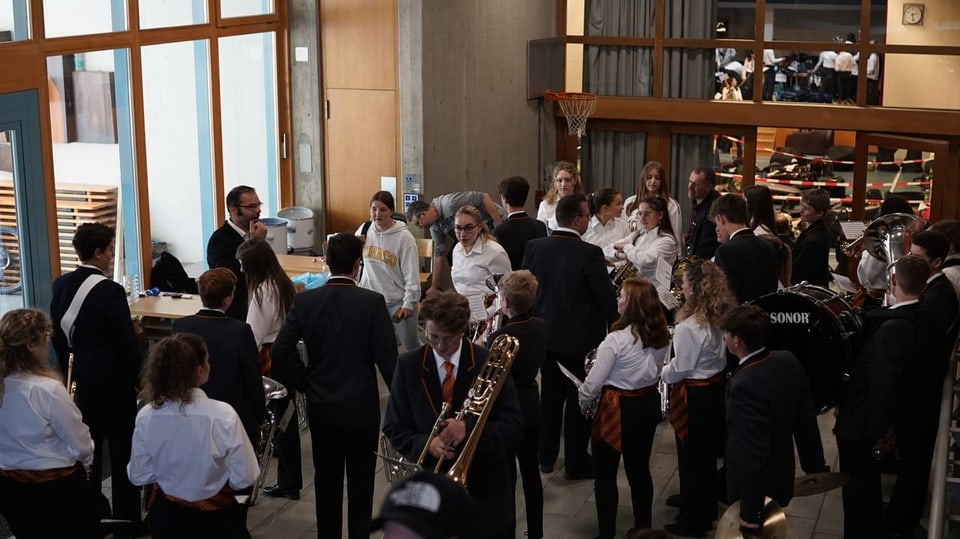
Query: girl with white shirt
{"points": [[653, 183], [475, 257], [566, 181], [271, 294], [606, 227], [696, 373], [652, 244], [193, 448], [625, 377], [45, 448]]}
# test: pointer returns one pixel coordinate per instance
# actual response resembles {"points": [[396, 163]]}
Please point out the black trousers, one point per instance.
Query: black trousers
{"points": [[174, 521], [639, 417], [846, 85], [697, 457], [338, 449], [873, 92], [289, 465], [828, 81], [27, 508], [559, 405], [532, 484], [769, 77], [863, 495], [915, 449]]}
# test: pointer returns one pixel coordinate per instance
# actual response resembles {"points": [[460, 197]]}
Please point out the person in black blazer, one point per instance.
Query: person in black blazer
{"points": [[243, 222], [107, 362], [519, 228], [576, 298], [518, 290], [701, 237], [877, 395], [918, 422], [769, 405], [749, 262], [348, 336], [234, 362], [811, 253], [417, 394]]}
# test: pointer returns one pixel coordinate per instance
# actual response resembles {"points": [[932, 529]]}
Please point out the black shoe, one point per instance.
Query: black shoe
{"points": [[276, 491], [673, 500], [546, 468], [578, 476], [682, 530]]}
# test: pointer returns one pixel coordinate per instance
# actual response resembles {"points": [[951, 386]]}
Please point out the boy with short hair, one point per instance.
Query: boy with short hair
{"points": [[812, 250]]}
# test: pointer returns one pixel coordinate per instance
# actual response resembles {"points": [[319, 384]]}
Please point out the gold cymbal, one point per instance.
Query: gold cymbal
{"points": [[774, 526], [818, 483]]}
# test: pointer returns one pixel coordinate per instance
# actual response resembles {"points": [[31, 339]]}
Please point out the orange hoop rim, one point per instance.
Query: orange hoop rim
{"points": [[568, 96]]}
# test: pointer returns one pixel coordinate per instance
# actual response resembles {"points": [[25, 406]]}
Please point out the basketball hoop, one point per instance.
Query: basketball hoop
{"points": [[576, 108]]}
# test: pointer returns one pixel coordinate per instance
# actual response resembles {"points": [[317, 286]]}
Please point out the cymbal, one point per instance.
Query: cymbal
{"points": [[774, 526], [818, 483]]}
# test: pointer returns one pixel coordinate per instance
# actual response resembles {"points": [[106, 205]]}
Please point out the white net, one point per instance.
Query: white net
{"points": [[576, 109]]}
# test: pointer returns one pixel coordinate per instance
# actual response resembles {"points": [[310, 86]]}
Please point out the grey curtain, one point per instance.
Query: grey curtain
{"points": [[613, 159]]}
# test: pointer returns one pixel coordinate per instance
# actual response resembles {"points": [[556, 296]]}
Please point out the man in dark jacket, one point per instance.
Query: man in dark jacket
{"points": [[811, 253], [243, 222]]}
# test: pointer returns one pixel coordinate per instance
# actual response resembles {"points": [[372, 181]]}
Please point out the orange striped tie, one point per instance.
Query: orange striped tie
{"points": [[447, 388]]}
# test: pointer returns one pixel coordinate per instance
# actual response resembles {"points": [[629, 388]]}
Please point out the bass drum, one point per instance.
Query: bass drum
{"points": [[817, 325]]}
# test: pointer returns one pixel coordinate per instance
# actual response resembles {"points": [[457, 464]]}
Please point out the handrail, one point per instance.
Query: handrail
{"points": [[938, 495]]}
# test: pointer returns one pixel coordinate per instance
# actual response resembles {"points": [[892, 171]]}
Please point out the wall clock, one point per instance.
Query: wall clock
{"points": [[913, 14]]}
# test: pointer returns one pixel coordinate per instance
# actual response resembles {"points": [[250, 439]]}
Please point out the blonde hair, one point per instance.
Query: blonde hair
{"points": [[520, 288], [552, 194], [20, 329], [711, 298], [474, 213]]}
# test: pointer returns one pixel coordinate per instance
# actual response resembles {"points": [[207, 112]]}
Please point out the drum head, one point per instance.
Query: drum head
{"points": [[816, 325]]}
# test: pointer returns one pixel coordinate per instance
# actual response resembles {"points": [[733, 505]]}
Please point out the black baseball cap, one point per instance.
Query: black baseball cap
{"points": [[432, 505]]}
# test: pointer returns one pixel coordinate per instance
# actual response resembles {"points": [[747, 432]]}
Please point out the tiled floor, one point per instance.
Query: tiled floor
{"points": [[569, 510]]}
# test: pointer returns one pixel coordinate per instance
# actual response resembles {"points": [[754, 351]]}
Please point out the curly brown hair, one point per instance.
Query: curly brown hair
{"points": [[448, 310], [553, 195], [20, 329], [170, 373], [643, 314], [711, 297]]}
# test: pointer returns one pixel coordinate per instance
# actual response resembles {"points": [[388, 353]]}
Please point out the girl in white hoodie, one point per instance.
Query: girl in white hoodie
{"points": [[391, 266]]}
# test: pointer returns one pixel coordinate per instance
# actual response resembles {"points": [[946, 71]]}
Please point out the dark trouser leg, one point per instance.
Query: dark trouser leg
{"points": [[532, 485], [119, 435], [862, 496], [551, 410], [768, 80], [873, 92], [697, 457], [910, 491], [174, 521], [576, 427], [289, 466], [361, 469], [27, 507], [639, 419], [607, 462], [328, 465]]}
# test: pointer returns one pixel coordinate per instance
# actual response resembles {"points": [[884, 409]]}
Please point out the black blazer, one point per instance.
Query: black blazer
{"points": [[514, 233], [107, 357], [811, 255], [532, 334], [222, 253], [575, 296], [702, 236], [939, 303], [234, 365], [750, 264], [769, 405], [348, 335]]}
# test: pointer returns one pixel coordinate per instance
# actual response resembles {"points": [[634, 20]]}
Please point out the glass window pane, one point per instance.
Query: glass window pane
{"points": [[245, 8], [933, 81], [166, 13], [176, 107], [71, 18], [91, 129], [684, 21], [690, 73], [930, 23], [622, 71], [14, 20], [737, 18], [899, 172], [11, 288], [812, 21], [248, 111]]}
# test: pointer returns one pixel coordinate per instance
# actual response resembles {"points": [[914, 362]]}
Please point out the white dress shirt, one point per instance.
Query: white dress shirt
{"points": [[698, 352], [192, 450], [622, 362], [604, 236], [40, 426], [454, 358], [547, 213], [245, 234], [673, 211], [470, 271], [845, 62], [953, 273], [770, 59], [828, 60], [873, 66], [646, 248], [262, 317]]}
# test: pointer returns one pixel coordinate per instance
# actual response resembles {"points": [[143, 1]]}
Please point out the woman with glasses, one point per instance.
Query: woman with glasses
{"points": [[193, 448], [475, 257], [391, 266], [45, 448], [271, 295], [606, 226], [624, 378], [696, 375], [653, 183], [565, 180], [653, 245]]}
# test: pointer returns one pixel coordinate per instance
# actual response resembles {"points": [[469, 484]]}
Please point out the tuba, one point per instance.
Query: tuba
{"points": [[591, 409], [270, 431], [887, 238]]}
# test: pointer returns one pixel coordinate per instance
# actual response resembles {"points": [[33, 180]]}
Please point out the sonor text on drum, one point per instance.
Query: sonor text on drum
{"points": [[789, 318]]}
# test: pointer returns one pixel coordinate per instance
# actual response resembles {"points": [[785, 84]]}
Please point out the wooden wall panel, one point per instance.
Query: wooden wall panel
{"points": [[358, 39]]}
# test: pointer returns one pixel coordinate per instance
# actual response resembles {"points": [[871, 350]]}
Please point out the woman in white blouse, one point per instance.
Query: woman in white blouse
{"points": [[475, 257], [271, 295], [193, 448], [624, 378], [696, 375], [45, 448], [566, 181], [652, 248], [653, 183], [606, 227]]}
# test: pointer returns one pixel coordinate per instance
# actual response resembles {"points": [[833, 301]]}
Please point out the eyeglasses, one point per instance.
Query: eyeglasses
{"points": [[468, 228], [442, 339], [251, 207]]}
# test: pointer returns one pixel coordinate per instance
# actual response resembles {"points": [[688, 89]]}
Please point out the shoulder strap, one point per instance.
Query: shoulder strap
{"points": [[366, 227], [66, 323]]}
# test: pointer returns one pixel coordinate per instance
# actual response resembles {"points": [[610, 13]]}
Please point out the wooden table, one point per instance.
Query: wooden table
{"points": [[165, 306], [294, 265]]}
